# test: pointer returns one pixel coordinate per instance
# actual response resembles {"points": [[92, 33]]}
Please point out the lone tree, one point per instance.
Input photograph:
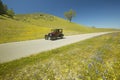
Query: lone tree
{"points": [[70, 14]]}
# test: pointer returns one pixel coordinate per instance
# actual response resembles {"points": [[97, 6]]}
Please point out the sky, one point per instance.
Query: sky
{"points": [[97, 13]]}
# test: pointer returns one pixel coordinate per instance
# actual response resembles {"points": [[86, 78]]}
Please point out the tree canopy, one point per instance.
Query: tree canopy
{"points": [[4, 10], [70, 14], [10, 13]]}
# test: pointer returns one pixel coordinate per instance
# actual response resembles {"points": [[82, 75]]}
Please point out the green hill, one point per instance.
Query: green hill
{"points": [[35, 26]]}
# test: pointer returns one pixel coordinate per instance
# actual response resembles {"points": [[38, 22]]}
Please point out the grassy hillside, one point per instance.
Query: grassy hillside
{"points": [[34, 26], [92, 59]]}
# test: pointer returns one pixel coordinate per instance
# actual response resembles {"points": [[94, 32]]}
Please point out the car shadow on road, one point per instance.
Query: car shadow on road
{"points": [[58, 39]]}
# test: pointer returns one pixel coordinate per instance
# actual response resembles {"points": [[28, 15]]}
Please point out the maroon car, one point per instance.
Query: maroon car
{"points": [[55, 34]]}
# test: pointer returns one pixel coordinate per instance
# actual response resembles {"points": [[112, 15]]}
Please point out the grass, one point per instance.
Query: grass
{"points": [[93, 59], [35, 26], [12, 30]]}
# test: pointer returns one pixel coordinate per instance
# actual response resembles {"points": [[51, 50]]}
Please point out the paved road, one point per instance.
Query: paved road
{"points": [[16, 50]]}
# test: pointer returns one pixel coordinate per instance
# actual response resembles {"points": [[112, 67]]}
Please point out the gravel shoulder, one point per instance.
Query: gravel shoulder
{"points": [[16, 50]]}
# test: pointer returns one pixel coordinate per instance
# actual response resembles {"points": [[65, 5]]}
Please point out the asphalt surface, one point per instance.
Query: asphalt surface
{"points": [[16, 50]]}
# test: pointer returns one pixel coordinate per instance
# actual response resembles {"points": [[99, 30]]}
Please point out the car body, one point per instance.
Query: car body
{"points": [[54, 34]]}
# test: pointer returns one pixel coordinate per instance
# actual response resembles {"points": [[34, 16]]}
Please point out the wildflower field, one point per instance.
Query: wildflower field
{"points": [[93, 59]]}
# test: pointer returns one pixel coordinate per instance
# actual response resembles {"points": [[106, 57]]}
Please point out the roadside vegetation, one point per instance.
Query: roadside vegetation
{"points": [[35, 26], [93, 59]]}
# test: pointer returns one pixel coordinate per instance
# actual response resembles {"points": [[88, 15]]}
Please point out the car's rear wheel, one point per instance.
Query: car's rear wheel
{"points": [[61, 36]]}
